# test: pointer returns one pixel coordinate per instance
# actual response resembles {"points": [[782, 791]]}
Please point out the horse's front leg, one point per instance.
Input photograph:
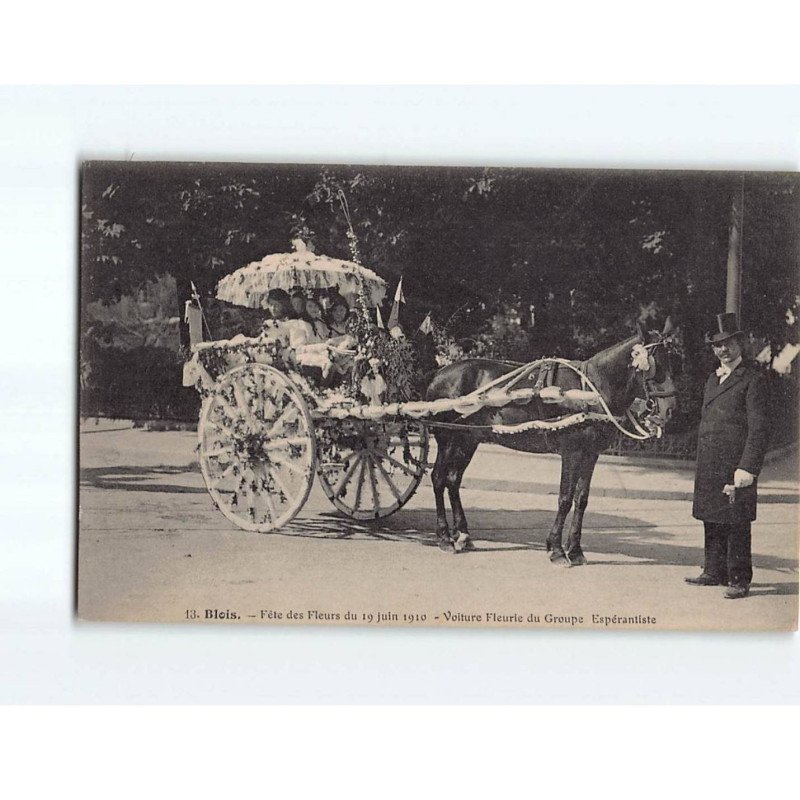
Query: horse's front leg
{"points": [[566, 492], [585, 471], [439, 481], [461, 454]]}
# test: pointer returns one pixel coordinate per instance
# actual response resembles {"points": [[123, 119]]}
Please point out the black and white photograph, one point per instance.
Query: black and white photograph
{"points": [[335, 394], [400, 400]]}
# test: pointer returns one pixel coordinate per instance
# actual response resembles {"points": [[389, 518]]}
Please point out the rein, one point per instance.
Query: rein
{"points": [[650, 394], [516, 375], [641, 435], [504, 393]]}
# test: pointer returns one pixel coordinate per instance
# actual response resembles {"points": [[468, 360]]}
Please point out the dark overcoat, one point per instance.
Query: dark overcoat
{"points": [[733, 435]]}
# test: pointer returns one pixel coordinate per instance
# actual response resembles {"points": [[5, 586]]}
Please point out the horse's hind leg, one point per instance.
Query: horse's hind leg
{"points": [[462, 450], [569, 465], [583, 483]]}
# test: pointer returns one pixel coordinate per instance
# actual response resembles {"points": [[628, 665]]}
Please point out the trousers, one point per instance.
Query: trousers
{"points": [[728, 553]]}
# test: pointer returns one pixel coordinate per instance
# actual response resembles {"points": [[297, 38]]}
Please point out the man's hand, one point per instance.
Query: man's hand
{"points": [[742, 478]]}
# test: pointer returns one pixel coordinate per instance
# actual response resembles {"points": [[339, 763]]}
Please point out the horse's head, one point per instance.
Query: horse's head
{"points": [[656, 359]]}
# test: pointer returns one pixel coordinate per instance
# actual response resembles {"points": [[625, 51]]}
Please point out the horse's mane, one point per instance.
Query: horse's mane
{"points": [[611, 356], [609, 370]]}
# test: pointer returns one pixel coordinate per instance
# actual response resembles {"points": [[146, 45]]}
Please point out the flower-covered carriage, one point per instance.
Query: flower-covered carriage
{"points": [[267, 426]]}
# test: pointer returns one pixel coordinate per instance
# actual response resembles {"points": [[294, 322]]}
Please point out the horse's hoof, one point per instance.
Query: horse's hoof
{"points": [[558, 558], [576, 560], [463, 543], [446, 546]]}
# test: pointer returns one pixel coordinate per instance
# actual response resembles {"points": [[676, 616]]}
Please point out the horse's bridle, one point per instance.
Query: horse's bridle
{"points": [[651, 394]]}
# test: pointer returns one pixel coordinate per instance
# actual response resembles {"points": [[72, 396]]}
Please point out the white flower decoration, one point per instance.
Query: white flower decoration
{"points": [[640, 358]]}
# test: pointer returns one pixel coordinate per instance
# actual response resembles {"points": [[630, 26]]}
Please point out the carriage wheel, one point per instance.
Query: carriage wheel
{"points": [[257, 452], [370, 469]]}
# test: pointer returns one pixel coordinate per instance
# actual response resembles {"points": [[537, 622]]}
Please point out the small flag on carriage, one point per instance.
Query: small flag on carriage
{"points": [[394, 317], [195, 317], [427, 324], [379, 318]]}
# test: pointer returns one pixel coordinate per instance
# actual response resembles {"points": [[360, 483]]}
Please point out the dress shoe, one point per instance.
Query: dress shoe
{"points": [[705, 580], [737, 592]]}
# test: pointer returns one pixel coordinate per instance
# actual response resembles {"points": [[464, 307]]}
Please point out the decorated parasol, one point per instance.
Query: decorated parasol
{"points": [[249, 285]]}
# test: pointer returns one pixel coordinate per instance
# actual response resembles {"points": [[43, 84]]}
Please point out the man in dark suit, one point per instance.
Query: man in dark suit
{"points": [[732, 442]]}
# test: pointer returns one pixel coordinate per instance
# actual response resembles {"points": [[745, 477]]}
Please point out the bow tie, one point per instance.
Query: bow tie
{"points": [[722, 370]]}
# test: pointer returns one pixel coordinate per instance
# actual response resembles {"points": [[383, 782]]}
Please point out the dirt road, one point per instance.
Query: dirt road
{"points": [[152, 547]]}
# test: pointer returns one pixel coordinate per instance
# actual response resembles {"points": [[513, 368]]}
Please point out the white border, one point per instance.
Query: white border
{"points": [[419, 42], [658, 753], [47, 658]]}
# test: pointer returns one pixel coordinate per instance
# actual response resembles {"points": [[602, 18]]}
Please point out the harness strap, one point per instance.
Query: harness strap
{"points": [[479, 399], [611, 418], [545, 376], [540, 425]]}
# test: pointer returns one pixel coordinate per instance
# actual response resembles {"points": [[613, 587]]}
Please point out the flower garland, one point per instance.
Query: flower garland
{"points": [[352, 239], [362, 329], [218, 357]]}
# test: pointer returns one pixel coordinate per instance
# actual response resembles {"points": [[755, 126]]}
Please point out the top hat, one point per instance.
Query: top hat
{"points": [[728, 327]]}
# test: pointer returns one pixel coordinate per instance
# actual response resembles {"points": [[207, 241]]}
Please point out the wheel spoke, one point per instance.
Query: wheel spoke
{"points": [[387, 478], [376, 500], [243, 403], [215, 479], [400, 465], [360, 484], [349, 474], [344, 455], [391, 481], [273, 514], [266, 394], [249, 495], [218, 451], [289, 465], [226, 406], [278, 478], [270, 391], [281, 421], [254, 493], [286, 441]]}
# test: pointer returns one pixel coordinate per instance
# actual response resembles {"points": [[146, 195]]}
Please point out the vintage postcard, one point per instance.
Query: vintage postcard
{"points": [[407, 396]]}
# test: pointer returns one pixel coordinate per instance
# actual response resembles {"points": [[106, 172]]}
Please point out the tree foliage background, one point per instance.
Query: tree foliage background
{"points": [[517, 263]]}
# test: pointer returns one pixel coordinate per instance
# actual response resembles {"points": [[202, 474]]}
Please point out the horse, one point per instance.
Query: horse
{"points": [[618, 376]]}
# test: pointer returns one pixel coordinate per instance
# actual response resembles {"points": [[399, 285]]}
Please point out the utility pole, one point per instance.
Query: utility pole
{"points": [[733, 293]]}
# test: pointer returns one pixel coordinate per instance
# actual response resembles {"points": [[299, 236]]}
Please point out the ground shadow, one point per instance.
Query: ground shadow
{"points": [[609, 539], [138, 479], [397, 528], [772, 589]]}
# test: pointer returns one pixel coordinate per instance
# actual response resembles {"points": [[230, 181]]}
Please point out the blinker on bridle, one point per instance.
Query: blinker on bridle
{"points": [[650, 392]]}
